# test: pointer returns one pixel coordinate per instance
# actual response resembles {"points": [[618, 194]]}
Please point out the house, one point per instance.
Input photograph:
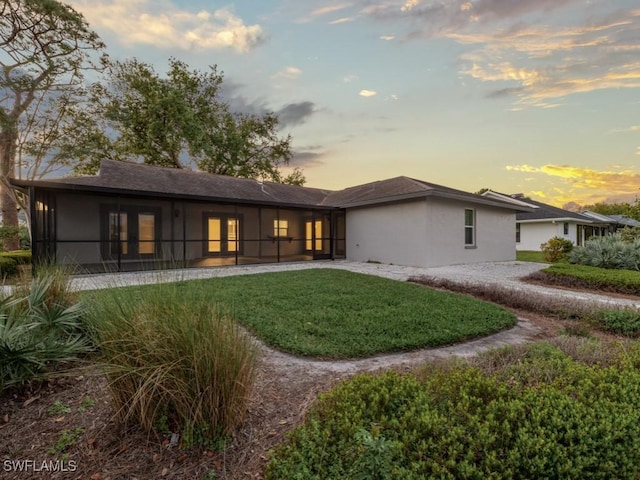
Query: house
{"points": [[132, 216], [543, 222], [615, 222]]}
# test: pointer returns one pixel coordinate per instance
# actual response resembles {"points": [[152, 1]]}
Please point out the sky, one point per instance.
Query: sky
{"points": [[540, 97]]}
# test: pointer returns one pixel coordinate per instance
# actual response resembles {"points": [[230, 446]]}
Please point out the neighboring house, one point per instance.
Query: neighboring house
{"points": [[533, 228], [132, 216]]}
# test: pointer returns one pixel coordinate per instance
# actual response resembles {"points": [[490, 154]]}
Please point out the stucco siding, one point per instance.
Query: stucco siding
{"points": [[494, 233], [429, 233], [532, 235], [390, 233]]}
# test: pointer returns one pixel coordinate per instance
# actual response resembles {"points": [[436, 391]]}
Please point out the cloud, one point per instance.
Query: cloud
{"points": [[349, 78], [387, 37], [288, 115], [585, 185], [631, 129], [327, 10], [163, 24], [286, 75], [536, 51], [310, 156], [367, 93], [295, 113]]}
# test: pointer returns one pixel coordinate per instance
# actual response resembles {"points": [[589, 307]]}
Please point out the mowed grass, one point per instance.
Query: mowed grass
{"points": [[331, 313], [530, 256]]}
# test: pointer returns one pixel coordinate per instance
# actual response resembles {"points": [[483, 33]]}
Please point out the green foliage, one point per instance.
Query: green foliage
{"points": [[530, 256], [611, 251], [631, 210], [21, 232], [21, 257], [629, 234], [622, 281], [58, 408], [37, 333], [8, 266], [173, 365], [165, 120], [86, 404], [625, 322], [556, 249], [543, 416], [67, 438], [328, 312]]}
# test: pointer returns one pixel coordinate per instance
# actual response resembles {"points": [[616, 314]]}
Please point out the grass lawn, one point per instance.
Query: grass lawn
{"points": [[333, 313], [530, 256]]}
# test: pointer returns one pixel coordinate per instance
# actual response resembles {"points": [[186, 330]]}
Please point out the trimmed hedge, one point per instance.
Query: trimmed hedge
{"points": [[583, 276], [22, 257], [547, 416]]}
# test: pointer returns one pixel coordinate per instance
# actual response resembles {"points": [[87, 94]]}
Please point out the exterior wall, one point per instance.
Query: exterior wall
{"points": [[428, 233], [390, 233], [532, 235], [494, 233]]}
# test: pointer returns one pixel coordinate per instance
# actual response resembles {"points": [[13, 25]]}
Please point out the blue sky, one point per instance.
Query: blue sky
{"points": [[533, 96]]}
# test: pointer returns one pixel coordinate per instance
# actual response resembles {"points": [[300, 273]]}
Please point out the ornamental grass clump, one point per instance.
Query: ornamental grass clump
{"points": [[174, 367]]}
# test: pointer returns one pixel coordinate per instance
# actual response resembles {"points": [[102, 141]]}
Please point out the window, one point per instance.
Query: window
{"points": [[566, 228], [281, 228], [517, 233], [469, 227]]}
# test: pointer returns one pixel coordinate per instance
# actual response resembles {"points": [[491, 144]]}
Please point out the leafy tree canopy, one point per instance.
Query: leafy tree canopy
{"points": [[177, 120], [45, 49]]}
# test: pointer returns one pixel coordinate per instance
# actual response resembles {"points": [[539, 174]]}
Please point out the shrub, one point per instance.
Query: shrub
{"points": [[172, 365], [8, 266], [546, 416], [36, 334], [556, 249], [611, 251], [21, 257], [625, 322], [629, 234]]}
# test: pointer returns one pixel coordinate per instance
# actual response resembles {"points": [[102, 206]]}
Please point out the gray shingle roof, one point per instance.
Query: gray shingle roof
{"points": [[545, 212], [127, 177]]}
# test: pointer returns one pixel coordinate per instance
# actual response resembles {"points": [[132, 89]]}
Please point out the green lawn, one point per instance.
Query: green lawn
{"points": [[530, 256], [333, 313]]}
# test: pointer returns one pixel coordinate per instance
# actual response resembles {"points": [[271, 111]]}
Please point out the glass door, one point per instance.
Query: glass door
{"points": [[222, 233]]}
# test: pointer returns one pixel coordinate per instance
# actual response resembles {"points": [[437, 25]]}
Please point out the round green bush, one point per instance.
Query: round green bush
{"points": [[547, 417], [8, 266]]}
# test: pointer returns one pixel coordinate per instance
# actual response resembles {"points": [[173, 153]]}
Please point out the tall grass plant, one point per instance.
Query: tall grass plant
{"points": [[173, 365]]}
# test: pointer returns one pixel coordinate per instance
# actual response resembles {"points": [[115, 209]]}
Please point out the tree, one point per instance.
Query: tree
{"points": [[631, 210], [46, 47], [175, 121]]}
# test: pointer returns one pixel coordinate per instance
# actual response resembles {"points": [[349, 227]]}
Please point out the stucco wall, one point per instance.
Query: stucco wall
{"points": [[494, 240], [532, 235], [390, 233], [428, 233]]}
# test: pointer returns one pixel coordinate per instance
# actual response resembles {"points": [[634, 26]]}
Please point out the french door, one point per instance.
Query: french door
{"points": [[222, 235], [131, 231]]}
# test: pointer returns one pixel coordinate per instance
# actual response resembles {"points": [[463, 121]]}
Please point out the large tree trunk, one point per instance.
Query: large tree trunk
{"points": [[8, 204]]}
